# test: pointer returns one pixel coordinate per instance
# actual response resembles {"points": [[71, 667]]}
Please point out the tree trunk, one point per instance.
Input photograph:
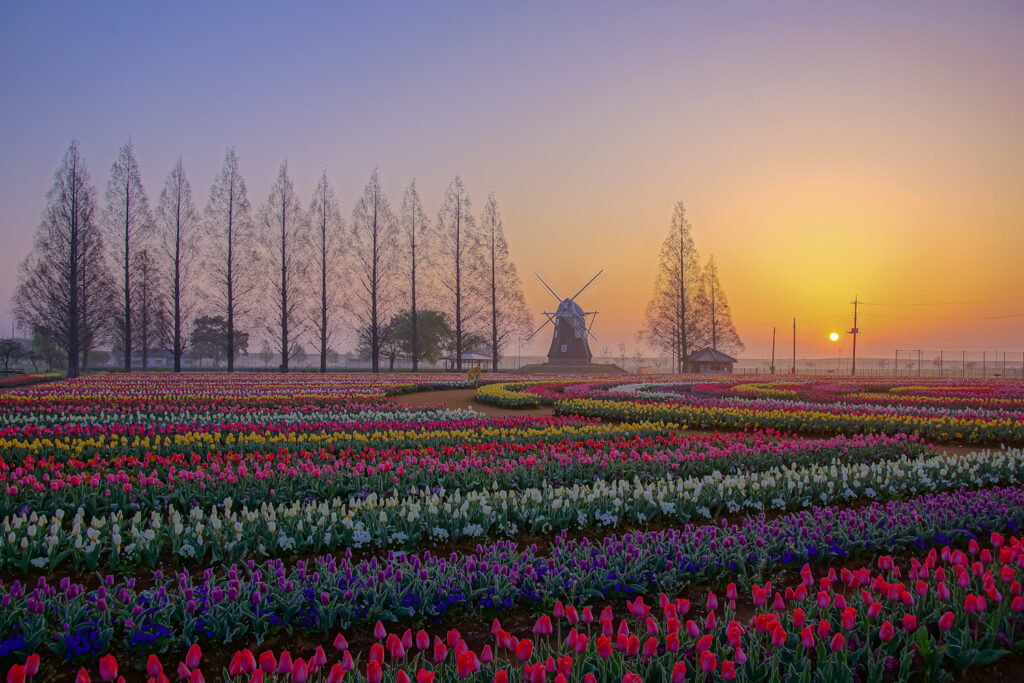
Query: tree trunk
{"points": [[284, 286], [73, 322]]}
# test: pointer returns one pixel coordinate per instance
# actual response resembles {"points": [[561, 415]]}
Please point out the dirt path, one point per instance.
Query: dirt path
{"points": [[466, 398]]}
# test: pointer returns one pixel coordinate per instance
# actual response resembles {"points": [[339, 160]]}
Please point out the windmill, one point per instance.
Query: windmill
{"points": [[569, 343]]}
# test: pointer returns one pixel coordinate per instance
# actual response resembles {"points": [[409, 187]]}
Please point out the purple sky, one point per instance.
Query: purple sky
{"points": [[824, 149]]}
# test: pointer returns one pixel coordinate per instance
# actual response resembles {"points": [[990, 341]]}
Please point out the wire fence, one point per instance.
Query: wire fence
{"points": [[903, 363]]}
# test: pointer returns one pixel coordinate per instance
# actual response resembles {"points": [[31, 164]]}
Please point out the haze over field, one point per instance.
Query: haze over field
{"points": [[823, 151]]}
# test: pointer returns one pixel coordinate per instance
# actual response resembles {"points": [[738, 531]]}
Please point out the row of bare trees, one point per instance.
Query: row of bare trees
{"points": [[132, 277], [688, 310]]}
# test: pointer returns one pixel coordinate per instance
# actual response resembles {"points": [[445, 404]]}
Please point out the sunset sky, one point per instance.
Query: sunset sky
{"points": [[824, 150]]}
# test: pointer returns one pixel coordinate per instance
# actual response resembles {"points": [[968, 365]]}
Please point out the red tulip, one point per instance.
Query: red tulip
{"points": [[500, 676], [394, 645], [268, 664], [708, 661], [728, 670], [196, 677], [909, 622], [153, 666], [589, 678], [571, 615], [16, 674], [108, 668], [559, 611], [423, 640], [376, 653], [604, 647], [337, 674], [319, 656], [799, 617], [340, 643], [464, 664], [946, 621], [453, 637], [284, 664], [672, 642], [346, 661], [300, 671], [440, 650], [849, 618], [543, 625], [838, 642], [83, 676], [193, 656], [824, 628], [424, 676], [373, 672], [257, 677], [778, 635], [807, 637], [679, 672], [402, 677], [651, 647], [704, 643], [886, 631], [524, 650], [378, 630]]}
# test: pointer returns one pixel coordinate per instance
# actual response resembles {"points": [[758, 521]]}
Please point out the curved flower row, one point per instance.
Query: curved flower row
{"points": [[155, 482], [260, 599], [948, 609], [408, 518], [1007, 431]]}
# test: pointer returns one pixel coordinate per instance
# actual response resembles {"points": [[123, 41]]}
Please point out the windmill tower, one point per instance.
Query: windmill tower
{"points": [[572, 331]]}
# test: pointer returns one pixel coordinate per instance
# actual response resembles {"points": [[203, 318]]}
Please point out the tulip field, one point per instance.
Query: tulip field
{"points": [[324, 528]]}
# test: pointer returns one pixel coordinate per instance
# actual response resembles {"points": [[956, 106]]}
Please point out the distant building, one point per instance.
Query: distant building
{"points": [[469, 360], [708, 360]]}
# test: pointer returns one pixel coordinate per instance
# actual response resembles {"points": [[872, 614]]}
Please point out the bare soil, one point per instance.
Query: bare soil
{"points": [[466, 398]]}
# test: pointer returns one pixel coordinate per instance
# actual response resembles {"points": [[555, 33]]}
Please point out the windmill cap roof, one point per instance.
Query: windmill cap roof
{"points": [[710, 355]]}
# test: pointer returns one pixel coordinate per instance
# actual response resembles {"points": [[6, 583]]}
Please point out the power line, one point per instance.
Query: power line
{"points": [[946, 319]]}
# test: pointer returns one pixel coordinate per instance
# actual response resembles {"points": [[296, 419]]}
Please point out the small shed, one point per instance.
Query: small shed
{"points": [[709, 360], [469, 361]]}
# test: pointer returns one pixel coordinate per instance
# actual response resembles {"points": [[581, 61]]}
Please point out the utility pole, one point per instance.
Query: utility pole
{"points": [[793, 371], [773, 350], [854, 331]]}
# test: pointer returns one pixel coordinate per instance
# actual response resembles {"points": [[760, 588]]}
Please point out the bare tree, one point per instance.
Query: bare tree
{"points": [[414, 226], [128, 223], [177, 220], [505, 301], [282, 238], [229, 251], [65, 263], [714, 314], [374, 238], [670, 323], [152, 321], [458, 246], [326, 237]]}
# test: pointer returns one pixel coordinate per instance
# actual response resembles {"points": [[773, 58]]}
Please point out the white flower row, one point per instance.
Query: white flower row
{"points": [[224, 532]]}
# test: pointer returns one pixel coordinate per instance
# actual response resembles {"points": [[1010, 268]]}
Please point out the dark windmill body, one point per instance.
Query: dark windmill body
{"points": [[572, 328]]}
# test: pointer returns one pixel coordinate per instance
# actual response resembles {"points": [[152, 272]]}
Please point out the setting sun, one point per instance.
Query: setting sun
{"points": [[834, 336]]}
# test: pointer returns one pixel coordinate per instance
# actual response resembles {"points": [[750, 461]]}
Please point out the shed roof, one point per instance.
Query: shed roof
{"points": [[710, 355]]}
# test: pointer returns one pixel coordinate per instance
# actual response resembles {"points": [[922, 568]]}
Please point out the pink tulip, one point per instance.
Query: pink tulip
{"points": [[32, 664]]}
